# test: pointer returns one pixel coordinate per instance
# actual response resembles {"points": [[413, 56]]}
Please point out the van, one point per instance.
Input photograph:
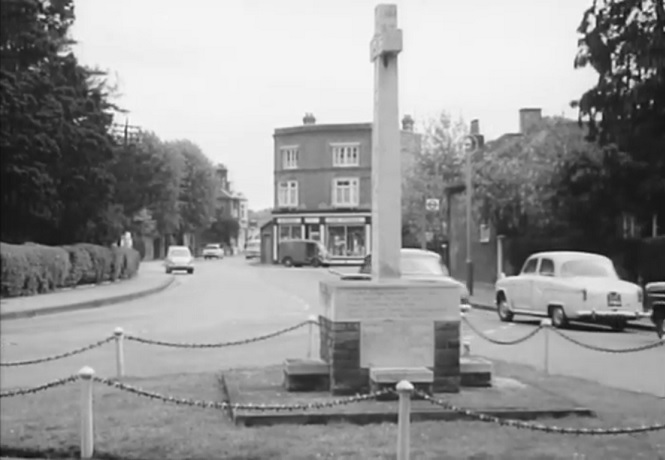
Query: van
{"points": [[302, 252]]}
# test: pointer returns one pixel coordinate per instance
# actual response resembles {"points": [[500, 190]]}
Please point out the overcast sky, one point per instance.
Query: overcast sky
{"points": [[226, 73]]}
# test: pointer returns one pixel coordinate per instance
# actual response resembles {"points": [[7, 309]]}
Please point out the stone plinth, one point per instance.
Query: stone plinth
{"points": [[306, 375], [389, 324], [475, 371], [381, 378]]}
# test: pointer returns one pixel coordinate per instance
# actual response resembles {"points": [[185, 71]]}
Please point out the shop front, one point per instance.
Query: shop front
{"points": [[347, 237]]}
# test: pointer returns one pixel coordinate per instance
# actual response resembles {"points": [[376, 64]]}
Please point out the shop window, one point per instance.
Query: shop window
{"points": [[347, 154], [287, 194], [290, 232], [346, 240], [345, 192]]}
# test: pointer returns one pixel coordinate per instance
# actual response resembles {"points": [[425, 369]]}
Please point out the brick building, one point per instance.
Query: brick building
{"points": [[323, 188]]}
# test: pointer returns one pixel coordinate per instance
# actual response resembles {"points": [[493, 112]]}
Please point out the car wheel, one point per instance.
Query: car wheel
{"points": [[190, 271], [660, 327], [316, 262], [287, 262], [503, 310], [168, 271], [558, 316], [618, 325]]}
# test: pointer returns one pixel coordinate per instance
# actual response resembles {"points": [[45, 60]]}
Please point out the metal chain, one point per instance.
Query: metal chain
{"points": [[215, 345], [610, 350], [539, 426], [501, 342], [60, 356], [37, 389], [237, 406]]}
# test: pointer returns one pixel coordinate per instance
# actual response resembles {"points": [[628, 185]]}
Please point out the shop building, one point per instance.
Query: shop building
{"points": [[323, 189]]}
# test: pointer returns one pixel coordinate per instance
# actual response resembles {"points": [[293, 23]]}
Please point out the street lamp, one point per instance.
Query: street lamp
{"points": [[471, 144]]}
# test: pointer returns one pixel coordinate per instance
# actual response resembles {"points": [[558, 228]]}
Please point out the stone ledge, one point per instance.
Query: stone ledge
{"points": [[395, 374]]}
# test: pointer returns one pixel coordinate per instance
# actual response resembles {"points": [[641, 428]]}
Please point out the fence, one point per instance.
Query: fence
{"points": [[404, 389]]}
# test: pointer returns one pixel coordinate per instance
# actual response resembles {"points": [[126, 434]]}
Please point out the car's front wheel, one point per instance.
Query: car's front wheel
{"points": [[503, 310], [660, 327], [558, 316], [618, 325]]}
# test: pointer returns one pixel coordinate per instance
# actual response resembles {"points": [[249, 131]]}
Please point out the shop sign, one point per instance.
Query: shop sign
{"points": [[288, 220], [345, 220], [312, 220]]}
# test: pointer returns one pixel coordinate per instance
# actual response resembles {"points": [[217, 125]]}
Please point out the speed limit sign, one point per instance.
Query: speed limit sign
{"points": [[432, 204]]}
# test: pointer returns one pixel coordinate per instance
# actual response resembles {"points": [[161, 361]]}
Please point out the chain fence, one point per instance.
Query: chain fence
{"points": [[614, 431], [67, 354], [39, 388], [221, 344], [501, 342], [648, 346]]}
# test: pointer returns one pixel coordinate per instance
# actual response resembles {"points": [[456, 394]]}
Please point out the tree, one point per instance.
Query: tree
{"points": [[624, 42], [439, 164]]}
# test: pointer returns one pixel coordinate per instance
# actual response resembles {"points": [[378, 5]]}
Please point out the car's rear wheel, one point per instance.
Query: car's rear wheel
{"points": [[558, 316], [503, 310], [316, 262], [660, 327], [190, 271], [287, 262], [168, 271]]}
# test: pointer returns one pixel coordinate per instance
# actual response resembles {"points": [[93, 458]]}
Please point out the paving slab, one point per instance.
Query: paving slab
{"points": [[506, 399]]}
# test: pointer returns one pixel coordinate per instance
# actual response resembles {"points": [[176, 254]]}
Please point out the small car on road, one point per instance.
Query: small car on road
{"points": [[253, 249], [570, 286], [655, 296], [417, 265], [213, 251], [179, 258]]}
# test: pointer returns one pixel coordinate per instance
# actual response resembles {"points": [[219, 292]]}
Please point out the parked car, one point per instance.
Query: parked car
{"points": [[253, 249], [570, 286], [655, 296], [303, 252], [415, 264], [213, 251], [179, 258]]}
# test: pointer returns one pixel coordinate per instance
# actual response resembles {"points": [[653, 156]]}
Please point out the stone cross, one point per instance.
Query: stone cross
{"points": [[386, 151]]}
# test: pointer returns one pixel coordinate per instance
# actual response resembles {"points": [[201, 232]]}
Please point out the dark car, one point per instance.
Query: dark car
{"points": [[655, 297], [415, 264], [302, 252]]}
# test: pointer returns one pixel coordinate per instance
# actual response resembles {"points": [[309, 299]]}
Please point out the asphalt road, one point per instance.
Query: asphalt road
{"points": [[233, 299]]}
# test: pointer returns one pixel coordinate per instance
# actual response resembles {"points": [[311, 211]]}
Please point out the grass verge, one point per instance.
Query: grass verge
{"points": [[130, 427]]}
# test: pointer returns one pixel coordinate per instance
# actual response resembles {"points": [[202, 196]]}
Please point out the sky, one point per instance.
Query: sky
{"points": [[225, 73]]}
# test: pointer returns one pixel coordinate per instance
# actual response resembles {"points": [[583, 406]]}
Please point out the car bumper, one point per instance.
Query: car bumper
{"points": [[179, 267], [610, 315]]}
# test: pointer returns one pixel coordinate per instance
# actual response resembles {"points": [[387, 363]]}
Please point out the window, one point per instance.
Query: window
{"points": [[530, 266], [546, 267], [346, 154], [346, 240], [290, 232], [289, 157], [588, 269], [287, 194], [484, 233], [345, 192]]}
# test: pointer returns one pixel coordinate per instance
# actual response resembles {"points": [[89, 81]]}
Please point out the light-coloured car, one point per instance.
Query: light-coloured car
{"points": [[179, 258], [570, 286], [415, 264], [253, 249], [213, 251]]}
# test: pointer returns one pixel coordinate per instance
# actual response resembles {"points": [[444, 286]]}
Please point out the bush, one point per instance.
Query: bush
{"points": [[33, 269]]}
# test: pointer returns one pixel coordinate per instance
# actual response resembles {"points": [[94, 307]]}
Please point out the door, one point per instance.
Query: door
{"points": [[542, 286], [523, 285]]}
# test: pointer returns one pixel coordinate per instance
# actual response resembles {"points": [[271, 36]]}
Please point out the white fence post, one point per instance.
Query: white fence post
{"points": [[310, 342], [404, 390], [546, 324], [87, 433], [119, 351]]}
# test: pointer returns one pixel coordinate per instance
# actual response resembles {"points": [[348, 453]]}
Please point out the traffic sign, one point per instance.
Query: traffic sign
{"points": [[470, 143], [432, 204]]}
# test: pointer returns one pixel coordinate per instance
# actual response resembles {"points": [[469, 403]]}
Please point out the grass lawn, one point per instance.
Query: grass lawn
{"points": [[131, 427]]}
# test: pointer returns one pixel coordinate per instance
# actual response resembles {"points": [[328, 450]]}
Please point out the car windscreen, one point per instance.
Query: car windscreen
{"points": [[178, 253], [587, 268], [422, 266]]}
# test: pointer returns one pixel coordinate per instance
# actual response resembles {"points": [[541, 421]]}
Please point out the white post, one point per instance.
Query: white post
{"points": [[404, 390], [310, 343], [499, 256], [119, 352], [466, 348], [546, 323], [87, 433]]}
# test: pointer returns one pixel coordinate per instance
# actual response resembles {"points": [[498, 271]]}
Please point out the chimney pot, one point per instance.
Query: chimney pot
{"points": [[309, 119], [530, 118], [475, 127], [407, 123]]}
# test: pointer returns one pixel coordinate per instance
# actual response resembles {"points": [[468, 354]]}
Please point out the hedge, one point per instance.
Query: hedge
{"points": [[30, 268]]}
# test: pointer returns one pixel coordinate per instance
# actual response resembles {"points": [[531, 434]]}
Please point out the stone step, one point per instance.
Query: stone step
{"points": [[306, 375], [475, 371], [381, 378]]}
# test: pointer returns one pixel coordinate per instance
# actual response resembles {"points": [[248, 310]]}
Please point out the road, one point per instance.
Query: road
{"points": [[233, 299]]}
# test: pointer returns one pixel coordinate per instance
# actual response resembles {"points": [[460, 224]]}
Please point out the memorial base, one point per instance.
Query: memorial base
{"points": [[306, 375], [475, 372], [421, 378], [396, 324]]}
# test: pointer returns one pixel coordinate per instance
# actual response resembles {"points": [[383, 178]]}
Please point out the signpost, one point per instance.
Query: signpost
{"points": [[432, 204]]}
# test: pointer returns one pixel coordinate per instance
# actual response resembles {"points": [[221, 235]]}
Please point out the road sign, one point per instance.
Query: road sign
{"points": [[469, 143], [432, 204]]}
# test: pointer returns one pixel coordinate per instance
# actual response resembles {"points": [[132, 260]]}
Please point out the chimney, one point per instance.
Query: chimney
{"points": [[407, 123], [308, 119], [475, 127], [530, 119]]}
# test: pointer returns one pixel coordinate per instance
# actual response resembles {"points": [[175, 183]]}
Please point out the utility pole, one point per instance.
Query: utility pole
{"points": [[471, 144]]}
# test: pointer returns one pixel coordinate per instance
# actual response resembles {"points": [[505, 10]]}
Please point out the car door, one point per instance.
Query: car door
{"points": [[522, 285], [541, 287]]}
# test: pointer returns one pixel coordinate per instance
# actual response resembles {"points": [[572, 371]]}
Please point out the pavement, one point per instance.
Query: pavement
{"points": [[233, 299], [149, 280]]}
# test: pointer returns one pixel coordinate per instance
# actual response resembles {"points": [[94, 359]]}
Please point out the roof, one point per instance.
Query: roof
{"points": [[313, 128], [567, 255]]}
